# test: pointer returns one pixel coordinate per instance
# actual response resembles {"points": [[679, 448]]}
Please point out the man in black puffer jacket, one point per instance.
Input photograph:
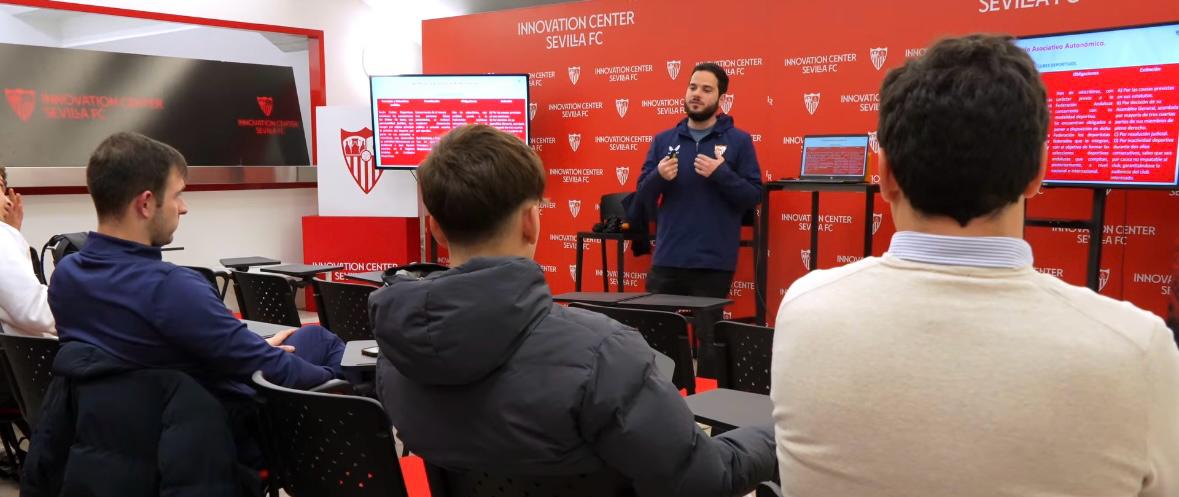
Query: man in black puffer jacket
{"points": [[480, 370]]}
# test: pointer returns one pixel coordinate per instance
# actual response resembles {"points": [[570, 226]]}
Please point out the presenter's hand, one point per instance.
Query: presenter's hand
{"points": [[706, 165], [280, 337], [668, 167], [16, 210]]}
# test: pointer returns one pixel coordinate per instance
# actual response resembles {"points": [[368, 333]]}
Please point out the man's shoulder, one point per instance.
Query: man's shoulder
{"points": [[827, 280], [1119, 316]]}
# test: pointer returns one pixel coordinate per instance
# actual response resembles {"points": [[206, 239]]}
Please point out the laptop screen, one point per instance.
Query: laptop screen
{"points": [[835, 157]]}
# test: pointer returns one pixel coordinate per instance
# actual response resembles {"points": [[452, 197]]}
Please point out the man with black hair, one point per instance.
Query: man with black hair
{"points": [[480, 371], [118, 296], [705, 176], [950, 366]]}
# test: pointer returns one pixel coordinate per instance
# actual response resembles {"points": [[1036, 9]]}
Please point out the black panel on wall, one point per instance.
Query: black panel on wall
{"points": [[60, 103]]}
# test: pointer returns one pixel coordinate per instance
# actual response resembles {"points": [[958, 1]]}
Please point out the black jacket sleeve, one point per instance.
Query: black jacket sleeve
{"points": [[49, 447], [641, 427]]}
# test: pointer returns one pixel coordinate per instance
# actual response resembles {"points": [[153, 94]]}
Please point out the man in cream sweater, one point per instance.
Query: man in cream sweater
{"points": [[949, 366], [24, 305]]}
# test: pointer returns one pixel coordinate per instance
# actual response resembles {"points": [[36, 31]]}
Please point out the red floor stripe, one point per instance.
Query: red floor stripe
{"points": [[414, 472]]}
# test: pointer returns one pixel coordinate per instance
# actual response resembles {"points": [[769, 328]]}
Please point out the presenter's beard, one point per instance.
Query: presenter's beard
{"points": [[703, 115]]}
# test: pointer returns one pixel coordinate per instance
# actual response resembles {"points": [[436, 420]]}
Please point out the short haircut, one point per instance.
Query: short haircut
{"points": [[475, 179], [963, 126], [127, 164], [722, 78]]}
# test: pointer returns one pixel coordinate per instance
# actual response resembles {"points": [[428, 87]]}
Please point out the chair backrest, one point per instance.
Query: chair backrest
{"points": [[768, 489], [38, 268], [344, 309], [31, 363], [746, 356], [322, 444], [266, 298], [611, 206], [475, 483], [666, 332], [209, 276]]}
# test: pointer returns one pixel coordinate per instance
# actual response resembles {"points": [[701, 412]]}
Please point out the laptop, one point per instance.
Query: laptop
{"points": [[835, 158]]}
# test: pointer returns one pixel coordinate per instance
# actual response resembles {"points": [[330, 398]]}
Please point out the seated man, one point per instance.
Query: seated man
{"points": [[481, 370], [24, 305], [117, 294], [949, 366]]}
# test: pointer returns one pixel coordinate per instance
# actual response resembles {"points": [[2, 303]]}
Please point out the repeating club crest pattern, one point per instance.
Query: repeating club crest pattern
{"points": [[266, 104], [812, 102], [673, 69], [22, 101], [357, 147], [574, 74], [878, 56]]}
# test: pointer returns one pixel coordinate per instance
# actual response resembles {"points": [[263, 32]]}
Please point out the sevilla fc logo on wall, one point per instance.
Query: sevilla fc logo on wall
{"points": [[532, 111], [873, 142], [876, 219], [358, 156], [621, 105], [769, 175], [573, 272], [673, 68], [726, 102], [1102, 279], [575, 207], [574, 74], [22, 101], [812, 102], [623, 173], [266, 104], [806, 258], [878, 55], [574, 141]]}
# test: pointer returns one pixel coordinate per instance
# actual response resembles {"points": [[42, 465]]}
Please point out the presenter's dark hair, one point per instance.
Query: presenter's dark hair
{"points": [[963, 126], [476, 178], [127, 164], [722, 78]]}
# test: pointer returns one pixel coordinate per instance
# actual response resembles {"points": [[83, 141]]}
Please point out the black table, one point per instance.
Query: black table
{"points": [[377, 277], [265, 330], [600, 298], [355, 359], [245, 263], [726, 408], [673, 303], [760, 258], [302, 271]]}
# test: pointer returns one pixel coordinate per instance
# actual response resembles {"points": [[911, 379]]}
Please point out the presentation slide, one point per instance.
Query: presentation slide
{"points": [[411, 113], [1114, 100], [834, 155]]}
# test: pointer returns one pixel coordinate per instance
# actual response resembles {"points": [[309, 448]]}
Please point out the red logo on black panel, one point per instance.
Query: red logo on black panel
{"points": [[266, 104], [22, 101]]}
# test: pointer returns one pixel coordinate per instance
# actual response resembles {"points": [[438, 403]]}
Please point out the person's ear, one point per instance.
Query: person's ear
{"points": [[1034, 187], [144, 204], [890, 190], [436, 231], [530, 223]]}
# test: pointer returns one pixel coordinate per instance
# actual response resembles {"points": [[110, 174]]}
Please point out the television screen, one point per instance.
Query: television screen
{"points": [[1113, 97], [411, 113]]}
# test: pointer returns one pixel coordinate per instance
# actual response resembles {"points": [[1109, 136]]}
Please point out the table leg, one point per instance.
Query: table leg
{"points": [[605, 266], [814, 258], [869, 212], [760, 256], [577, 266], [621, 262]]}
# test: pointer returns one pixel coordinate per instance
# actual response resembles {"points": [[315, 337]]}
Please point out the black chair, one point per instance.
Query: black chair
{"points": [[745, 351], [344, 309], [222, 287], [475, 483], [610, 206], [768, 489], [38, 268], [266, 298], [666, 332], [322, 444], [30, 362]]}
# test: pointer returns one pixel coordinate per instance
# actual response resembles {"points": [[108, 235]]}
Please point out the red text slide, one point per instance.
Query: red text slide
{"points": [[408, 128], [1113, 125], [835, 161]]}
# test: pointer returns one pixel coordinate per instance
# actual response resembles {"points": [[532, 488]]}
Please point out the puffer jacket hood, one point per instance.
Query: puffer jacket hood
{"points": [[458, 326]]}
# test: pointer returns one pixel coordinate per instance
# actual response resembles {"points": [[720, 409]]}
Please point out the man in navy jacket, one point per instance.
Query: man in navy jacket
{"points": [[704, 174], [117, 294]]}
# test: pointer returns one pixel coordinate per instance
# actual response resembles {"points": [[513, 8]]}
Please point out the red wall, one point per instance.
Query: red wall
{"points": [[763, 40]]}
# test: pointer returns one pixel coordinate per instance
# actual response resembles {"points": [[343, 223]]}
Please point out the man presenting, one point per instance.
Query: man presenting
{"points": [[704, 174]]}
